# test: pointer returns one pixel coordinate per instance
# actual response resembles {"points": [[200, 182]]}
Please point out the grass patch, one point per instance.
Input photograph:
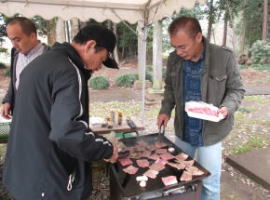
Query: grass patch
{"points": [[239, 115], [103, 109], [2, 152], [253, 142], [256, 99]]}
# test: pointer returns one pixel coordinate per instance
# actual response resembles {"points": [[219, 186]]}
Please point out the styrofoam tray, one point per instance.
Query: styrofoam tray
{"points": [[202, 110]]}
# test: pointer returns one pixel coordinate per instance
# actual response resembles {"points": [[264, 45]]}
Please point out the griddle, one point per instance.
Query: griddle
{"points": [[129, 187]]}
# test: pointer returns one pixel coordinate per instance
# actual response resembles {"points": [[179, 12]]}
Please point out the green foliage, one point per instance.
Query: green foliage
{"points": [[127, 39], [149, 69], [252, 20], [257, 99], [197, 11], [261, 66], [99, 83], [149, 77], [164, 71], [7, 71], [3, 50], [253, 142], [260, 52], [126, 80], [3, 66]]}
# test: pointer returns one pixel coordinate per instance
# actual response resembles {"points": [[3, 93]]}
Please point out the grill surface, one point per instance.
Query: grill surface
{"points": [[125, 186]]}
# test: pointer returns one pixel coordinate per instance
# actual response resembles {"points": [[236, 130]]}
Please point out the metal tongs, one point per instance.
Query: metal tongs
{"points": [[162, 129]]}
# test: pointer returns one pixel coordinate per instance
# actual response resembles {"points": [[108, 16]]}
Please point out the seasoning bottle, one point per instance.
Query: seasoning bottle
{"points": [[120, 118], [113, 117]]}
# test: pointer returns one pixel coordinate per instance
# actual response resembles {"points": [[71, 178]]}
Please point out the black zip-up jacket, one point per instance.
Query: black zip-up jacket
{"points": [[50, 145]]}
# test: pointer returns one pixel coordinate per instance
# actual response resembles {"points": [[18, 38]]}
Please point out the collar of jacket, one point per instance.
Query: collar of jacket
{"points": [[73, 55]]}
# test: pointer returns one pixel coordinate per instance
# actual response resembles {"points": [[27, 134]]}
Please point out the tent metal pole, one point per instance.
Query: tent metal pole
{"points": [[142, 61]]}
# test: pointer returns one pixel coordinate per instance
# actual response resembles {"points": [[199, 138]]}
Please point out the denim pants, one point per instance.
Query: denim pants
{"points": [[210, 157]]}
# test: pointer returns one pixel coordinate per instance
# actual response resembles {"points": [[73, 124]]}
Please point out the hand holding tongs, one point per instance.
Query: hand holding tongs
{"points": [[162, 129]]}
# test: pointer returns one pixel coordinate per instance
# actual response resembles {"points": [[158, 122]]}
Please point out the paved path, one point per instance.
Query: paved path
{"points": [[251, 90], [254, 164]]}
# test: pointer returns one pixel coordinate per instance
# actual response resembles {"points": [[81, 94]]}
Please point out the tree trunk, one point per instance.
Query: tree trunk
{"points": [[210, 19], [115, 52], [225, 30], [51, 35], [60, 31], [265, 20], [75, 24], [157, 56]]}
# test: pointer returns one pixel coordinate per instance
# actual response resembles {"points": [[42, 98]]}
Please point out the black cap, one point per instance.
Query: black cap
{"points": [[104, 38]]}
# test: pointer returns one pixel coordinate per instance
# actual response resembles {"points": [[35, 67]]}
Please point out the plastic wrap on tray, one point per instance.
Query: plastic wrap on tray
{"points": [[202, 110]]}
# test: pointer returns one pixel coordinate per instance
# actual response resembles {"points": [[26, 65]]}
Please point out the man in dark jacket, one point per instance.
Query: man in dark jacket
{"points": [[51, 146], [200, 71], [22, 33]]}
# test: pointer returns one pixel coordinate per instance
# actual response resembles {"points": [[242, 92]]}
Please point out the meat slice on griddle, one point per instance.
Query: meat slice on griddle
{"points": [[131, 170]]}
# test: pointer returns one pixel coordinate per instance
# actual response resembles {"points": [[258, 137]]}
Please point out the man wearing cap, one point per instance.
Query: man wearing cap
{"points": [[51, 147]]}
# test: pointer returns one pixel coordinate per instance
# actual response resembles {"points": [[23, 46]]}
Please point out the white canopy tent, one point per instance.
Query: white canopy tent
{"points": [[143, 12], [147, 11]]}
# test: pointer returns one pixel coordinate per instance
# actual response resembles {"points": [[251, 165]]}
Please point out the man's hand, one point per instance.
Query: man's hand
{"points": [[162, 119], [6, 110], [114, 157], [223, 111]]}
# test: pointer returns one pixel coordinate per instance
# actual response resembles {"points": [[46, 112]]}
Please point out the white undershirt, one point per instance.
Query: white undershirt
{"points": [[25, 59]]}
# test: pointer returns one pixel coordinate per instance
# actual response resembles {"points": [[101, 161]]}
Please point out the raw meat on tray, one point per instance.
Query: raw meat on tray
{"points": [[202, 110]]}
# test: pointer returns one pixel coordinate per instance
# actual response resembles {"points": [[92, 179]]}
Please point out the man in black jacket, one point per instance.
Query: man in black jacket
{"points": [[22, 33], [51, 146]]}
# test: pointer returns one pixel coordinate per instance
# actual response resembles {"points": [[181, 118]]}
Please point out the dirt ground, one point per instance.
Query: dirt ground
{"points": [[235, 186]]}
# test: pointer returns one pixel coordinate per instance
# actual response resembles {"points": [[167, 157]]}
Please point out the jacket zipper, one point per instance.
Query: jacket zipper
{"points": [[71, 180]]}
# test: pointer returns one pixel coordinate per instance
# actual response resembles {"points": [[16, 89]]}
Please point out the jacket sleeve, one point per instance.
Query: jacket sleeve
{"points": [[71, 134], [168, 101], [234, 87]]}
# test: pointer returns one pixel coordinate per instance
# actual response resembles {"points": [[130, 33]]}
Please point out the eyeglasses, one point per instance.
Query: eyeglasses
{"points": [[110, 55]]}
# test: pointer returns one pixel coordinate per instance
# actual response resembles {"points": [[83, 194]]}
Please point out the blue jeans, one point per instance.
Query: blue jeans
{"points": [[210, 157]]}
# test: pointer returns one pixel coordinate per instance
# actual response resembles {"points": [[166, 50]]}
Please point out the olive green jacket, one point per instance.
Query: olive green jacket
{"points": [[220, 85]]}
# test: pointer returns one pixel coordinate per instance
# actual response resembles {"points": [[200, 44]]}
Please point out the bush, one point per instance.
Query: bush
{"points": [[2, 66], [261, 66], [164, 71], [260, 52], [149, 77], [149, 69], [99, 83], [7, 71], [126, 80]]}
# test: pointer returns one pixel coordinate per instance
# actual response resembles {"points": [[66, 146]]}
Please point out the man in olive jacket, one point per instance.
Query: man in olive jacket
{"points": [[200, 71]]}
